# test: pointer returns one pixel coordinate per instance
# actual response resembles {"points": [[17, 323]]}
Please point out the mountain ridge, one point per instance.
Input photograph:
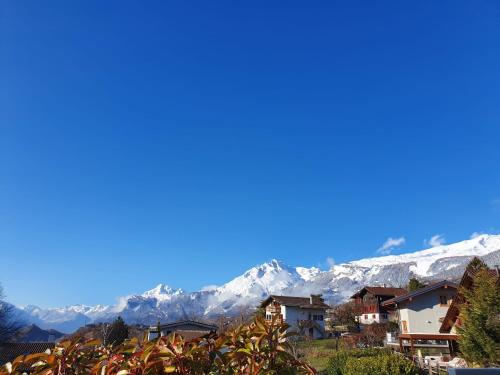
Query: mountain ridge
{"points": [[274, 277]]}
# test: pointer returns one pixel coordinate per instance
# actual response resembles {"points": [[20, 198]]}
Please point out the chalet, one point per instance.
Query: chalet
{"points": [[451, 321], [189, 329], [419, 315], [304, 314], [369, 303]]}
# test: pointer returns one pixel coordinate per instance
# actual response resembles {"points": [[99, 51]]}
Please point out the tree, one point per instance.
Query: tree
{"points": [[9, 323], [479, 328], [414, 284], [105, 331], [345, 314], [118, 332], [374, 334]]}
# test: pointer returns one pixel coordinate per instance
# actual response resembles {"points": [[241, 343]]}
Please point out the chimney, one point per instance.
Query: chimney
{"points": [[315, 298]]}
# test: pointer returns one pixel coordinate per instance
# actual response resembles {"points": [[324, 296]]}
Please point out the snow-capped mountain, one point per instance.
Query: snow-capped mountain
{"points": [[337, 284], [162, 292]]}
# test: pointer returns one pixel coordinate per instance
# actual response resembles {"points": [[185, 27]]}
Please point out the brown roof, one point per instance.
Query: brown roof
{"points": [[381, 291], [174, 326], [192, 334], [10, 351], [302, 302], [418, 292]]}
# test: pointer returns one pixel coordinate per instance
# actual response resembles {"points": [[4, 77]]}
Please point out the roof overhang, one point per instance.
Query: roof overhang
{"points": [[441, 284]]}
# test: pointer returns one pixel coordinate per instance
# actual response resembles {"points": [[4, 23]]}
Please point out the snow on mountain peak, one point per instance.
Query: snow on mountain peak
{"points": [[275, 277], [308, 273], [423, 259], [162, 292]]}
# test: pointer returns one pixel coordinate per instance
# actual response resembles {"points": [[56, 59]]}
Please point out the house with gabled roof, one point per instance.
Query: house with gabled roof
{"points": [[419, 315], [303, 314], [369, 303]]}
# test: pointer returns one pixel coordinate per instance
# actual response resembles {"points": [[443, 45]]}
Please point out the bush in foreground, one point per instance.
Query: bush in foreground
{"points": [[369, 362], [257, 348]]}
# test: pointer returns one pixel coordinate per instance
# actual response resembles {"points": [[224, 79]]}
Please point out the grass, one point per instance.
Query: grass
{"points": [[317, 352]]}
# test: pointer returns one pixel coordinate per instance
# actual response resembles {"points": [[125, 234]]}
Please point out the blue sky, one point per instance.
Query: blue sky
{"points": [[184, 142]]}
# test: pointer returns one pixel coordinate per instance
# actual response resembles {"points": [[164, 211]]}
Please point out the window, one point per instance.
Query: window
{"points": [[443, 300], [366, 316], [374, 316], [269, 316], [317, 317]]}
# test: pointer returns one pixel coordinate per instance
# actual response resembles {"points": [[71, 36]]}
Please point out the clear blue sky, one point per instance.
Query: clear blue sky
{"points": [[184, 142]]}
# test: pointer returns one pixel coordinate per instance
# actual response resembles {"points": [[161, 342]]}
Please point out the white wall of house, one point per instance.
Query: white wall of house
{"points": [[292, 315], [423, 313], [370, 318]]}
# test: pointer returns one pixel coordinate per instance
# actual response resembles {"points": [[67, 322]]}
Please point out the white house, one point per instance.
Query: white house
{"points": [[420, 315], [304, 314]]}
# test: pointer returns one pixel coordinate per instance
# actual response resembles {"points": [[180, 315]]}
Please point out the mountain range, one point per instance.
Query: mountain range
{"points": [[33, 333], [275, 277]]}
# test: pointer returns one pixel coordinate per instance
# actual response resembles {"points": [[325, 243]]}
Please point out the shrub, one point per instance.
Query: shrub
{"points": [[257, 348], [337, 363], [370, 361], [391, 364]]}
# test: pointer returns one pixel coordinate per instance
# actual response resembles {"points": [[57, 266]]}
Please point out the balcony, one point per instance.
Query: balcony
{"points": [[277, 317]]}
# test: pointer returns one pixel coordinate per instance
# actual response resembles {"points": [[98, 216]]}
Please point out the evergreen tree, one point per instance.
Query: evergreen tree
{"points": [[118, 332], [479, 330], [414, 284]]}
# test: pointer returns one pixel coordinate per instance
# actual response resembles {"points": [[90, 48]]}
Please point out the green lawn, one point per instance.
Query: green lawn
{"points": [[317, 352]]}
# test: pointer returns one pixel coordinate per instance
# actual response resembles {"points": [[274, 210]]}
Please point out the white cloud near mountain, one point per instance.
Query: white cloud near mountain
{"points": [[475, 235], [330, 262], [436, 240], [391, 244]]}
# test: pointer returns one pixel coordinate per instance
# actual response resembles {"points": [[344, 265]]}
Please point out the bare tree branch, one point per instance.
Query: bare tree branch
{"points": [[9, 322]]}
